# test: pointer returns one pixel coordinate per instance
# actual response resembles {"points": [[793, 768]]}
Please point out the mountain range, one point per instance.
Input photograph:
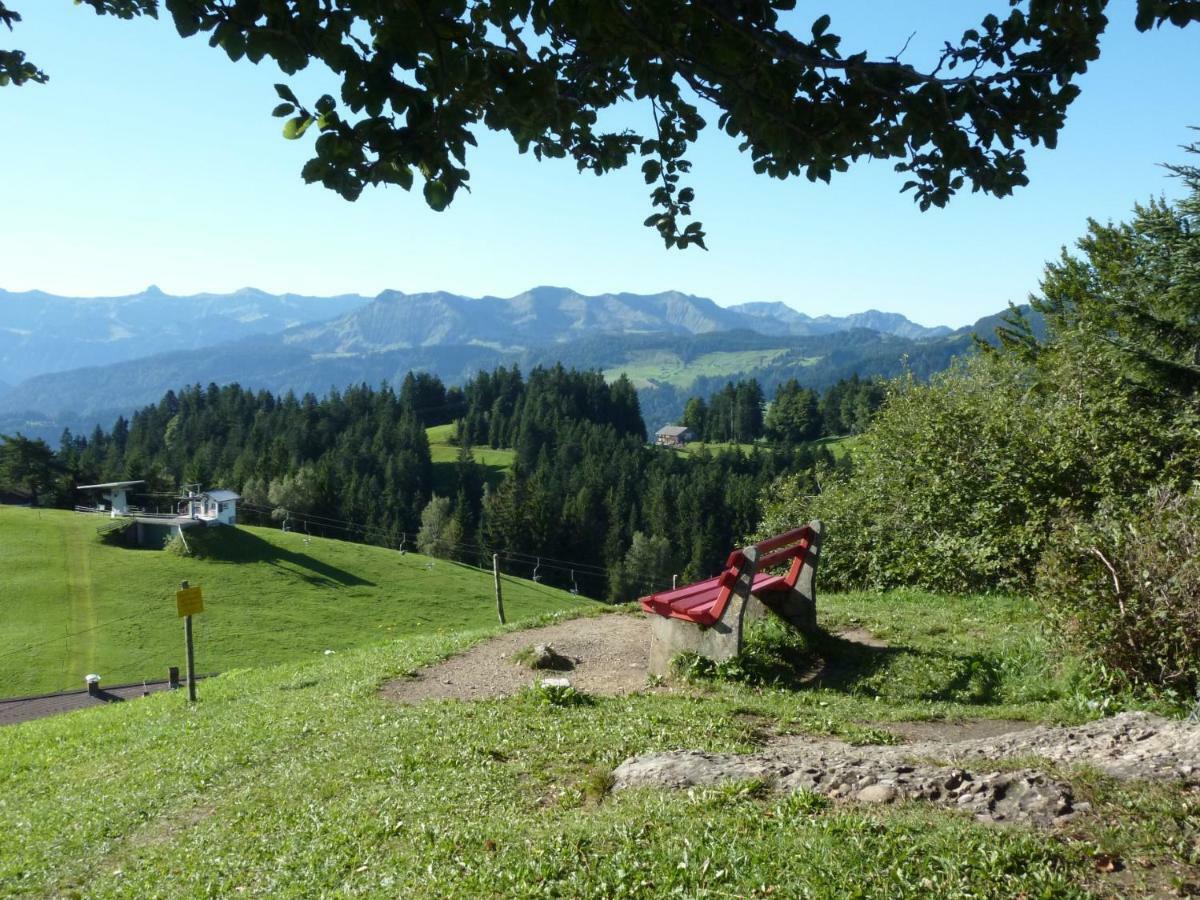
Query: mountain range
{"points": [[42, 332], [84, 360]]}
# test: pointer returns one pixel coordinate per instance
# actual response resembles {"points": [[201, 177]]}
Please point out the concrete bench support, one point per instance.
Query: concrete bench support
{"points": [[709, 617], [720, 641]]}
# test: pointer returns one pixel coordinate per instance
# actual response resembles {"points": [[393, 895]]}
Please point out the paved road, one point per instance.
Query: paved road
{"points": [[22, 709]]}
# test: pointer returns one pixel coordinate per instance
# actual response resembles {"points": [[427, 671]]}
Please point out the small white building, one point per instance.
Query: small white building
{"points": [[116, 493], [217, 507]]}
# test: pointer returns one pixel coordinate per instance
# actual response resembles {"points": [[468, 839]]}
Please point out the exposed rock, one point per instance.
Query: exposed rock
{"points": [[1132, 745], [546, 657], [877, 793]]}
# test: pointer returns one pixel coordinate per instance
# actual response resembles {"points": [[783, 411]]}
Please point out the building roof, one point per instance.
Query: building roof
{"points": [[107, 484], [672, 430], [222, 496]]}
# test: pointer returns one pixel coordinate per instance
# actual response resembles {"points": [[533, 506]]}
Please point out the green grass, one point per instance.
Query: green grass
{"points": [[299, 780], [718, 447], [445, 456], [839, 446], [665, 367], [71, 604]]}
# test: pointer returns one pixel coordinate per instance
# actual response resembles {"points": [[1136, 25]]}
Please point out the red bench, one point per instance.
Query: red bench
{"points": [[707, 617]]}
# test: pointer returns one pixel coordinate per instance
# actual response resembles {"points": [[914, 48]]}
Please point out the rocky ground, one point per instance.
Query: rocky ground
{"points": [[970, 775], [979, 766]]}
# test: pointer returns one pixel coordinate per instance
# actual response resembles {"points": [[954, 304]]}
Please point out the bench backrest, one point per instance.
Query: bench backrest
{"points": [[773, 551], [793, 545], [714, 594]]}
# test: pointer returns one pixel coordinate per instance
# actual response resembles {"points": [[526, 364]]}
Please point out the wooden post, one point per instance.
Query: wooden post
{"points": [[191, 656], [499, 597]]}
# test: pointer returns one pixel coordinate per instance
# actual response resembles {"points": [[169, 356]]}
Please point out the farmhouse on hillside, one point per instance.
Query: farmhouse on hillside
{"points": [[154, 529], [673, 436]]}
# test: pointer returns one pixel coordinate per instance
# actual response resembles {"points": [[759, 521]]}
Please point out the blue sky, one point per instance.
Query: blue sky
{"points": [[148, 159]]}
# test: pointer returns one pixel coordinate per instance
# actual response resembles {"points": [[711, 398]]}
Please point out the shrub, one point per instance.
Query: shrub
{"points": [[774, 654], [958, 484], [1125, 590], [953, 488]]}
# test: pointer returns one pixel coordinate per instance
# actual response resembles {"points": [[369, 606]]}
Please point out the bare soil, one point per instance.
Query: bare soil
{"points": [[609, 653]]}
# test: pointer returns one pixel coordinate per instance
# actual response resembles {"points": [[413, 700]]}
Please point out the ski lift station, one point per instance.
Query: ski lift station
{"points": [[144, 528]]}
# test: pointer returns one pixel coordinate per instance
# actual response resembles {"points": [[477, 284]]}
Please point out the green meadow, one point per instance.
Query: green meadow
{"points": [[71, 604], [444, 455], [665, 367], [301, 780]]}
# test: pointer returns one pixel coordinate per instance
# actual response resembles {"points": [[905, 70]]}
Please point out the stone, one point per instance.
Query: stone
{"points": [[878, 793], [546, 657]]}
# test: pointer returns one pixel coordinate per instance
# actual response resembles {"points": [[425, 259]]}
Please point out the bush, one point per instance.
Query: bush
{"points": [[1125, 590], [953, 487], [958, 484]]}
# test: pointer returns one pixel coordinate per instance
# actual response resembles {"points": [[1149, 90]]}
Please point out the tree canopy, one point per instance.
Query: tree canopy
{"points": [[419, 79]]}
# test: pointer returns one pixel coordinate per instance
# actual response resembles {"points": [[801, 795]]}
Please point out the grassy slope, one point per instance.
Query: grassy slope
{"points": [[445, 455], [665, 367], [717, 447], [839, 446], [72, 605], [299, 780]]}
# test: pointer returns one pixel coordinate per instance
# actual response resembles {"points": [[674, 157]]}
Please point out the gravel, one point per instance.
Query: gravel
{"points": [[1128, 746]]}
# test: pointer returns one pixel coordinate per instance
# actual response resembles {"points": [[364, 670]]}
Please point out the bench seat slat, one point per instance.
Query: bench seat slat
{"points": [[770, 584]]}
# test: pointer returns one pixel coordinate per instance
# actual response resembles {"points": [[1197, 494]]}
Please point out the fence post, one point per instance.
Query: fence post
{"points": [[499, 596]]}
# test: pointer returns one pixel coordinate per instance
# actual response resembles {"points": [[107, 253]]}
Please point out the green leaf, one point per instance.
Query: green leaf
{"points": [[283, 109], [295, 128], [285, 93], [820, 26], [437, 195]]}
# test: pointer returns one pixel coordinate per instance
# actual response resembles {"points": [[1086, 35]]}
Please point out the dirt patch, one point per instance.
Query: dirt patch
{"points": [[861, 636], [610, 655], [170, 828]]}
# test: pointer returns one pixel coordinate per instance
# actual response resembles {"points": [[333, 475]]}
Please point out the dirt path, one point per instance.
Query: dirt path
{"points": [[609, 654]]}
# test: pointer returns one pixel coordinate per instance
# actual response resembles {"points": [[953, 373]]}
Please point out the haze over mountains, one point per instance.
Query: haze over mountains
{"points": [[42, 332], [75, 360]]}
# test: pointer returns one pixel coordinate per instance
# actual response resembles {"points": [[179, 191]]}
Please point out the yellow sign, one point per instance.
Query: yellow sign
{"points": [[189, 601]]}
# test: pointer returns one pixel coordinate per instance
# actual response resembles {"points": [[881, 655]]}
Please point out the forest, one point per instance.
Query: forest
{"points": [[587, 504]]}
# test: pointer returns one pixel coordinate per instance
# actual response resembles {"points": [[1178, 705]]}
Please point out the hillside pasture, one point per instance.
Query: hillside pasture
{"points": [[302, 780], [650, 367], [444, 455], [71, 604]]}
